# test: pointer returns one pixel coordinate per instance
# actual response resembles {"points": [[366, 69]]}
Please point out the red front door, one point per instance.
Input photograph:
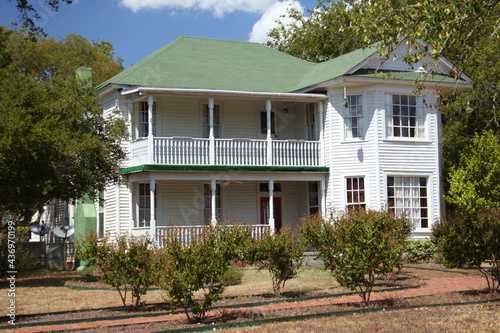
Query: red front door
{"points": [[264, 212]]}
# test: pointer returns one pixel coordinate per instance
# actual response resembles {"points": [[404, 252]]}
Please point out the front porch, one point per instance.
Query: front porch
{"points": [[173, 206]]}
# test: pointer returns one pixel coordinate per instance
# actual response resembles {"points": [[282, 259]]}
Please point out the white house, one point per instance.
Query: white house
{"points": [[237, 130]]}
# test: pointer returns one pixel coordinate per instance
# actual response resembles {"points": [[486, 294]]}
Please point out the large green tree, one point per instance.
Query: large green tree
{"points": [[327, 31], [54, 141]]}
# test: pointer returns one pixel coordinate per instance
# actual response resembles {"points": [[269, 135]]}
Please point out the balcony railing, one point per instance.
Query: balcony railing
{"points": [[196, 151]]}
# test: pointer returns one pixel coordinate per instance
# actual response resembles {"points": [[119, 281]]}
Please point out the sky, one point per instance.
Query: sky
{"points": [[137, 28]]}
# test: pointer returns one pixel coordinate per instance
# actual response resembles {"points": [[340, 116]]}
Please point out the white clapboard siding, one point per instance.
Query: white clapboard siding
{"points": [[110, 210], [239, 201], [180, 202]]}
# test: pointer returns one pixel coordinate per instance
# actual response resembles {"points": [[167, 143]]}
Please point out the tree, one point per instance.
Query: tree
{"points": [[29, 14], [329, 31], [475, 182], [54, 140], [358, 246], [471, 239]]}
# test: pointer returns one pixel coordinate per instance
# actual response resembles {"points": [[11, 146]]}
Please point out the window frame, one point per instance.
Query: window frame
{"points": [[403, 118], [310, 121], [359, 116], [205, 120], [350, 205], [313, 207], [146, 195], [143, 121], [207, 202], [428, 198]]}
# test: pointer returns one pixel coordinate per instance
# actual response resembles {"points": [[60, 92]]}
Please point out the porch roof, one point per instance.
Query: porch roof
{"points": [[223, 168]]}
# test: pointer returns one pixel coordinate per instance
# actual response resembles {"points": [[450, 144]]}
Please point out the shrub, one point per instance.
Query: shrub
{"points": [[202, 265], [125, 263], [358, 246], [419, 250], [279, 253], [12, 251], [468, 239]]}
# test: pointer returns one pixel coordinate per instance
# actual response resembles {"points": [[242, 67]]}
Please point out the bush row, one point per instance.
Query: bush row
{"points": [[356, 247]]}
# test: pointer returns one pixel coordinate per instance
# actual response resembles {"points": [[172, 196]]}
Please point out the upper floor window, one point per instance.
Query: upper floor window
{"points": [[405, 119], [311, 133], [355, 187], [144, 119], [206, 121], [263, 123], [353, 117], [408, 195]]}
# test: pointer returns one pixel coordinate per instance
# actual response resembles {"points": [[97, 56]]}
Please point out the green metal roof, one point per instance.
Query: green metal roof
{"points": [[201, 63]]}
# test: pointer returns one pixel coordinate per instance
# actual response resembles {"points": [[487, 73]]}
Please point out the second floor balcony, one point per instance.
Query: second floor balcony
{"points": [[235, 151]]}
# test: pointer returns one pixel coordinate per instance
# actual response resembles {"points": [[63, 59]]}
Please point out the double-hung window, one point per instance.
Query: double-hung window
{"points": [[405, 118], [408, 195], [311, 132], [145, 205], [353, 117], [144, 119], [206, 121], [313, 197], [355, 188]]}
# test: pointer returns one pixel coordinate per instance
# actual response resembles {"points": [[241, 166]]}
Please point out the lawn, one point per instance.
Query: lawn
{"points": [[44, 292]]}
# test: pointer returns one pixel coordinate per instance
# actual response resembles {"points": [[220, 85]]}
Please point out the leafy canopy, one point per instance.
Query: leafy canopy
{"points": [[474, 183], [54, 140]]}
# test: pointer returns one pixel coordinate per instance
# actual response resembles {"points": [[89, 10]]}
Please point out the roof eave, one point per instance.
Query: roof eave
{"points": [[300, 97]]}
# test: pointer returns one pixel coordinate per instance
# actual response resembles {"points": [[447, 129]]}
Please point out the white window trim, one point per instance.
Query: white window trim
{"points": [[363, 121], [419, 106], [430, 194], [366, 177]]}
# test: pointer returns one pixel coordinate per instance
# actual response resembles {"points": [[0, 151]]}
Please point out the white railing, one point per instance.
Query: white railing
{"points": [[196, 151], [185, 234], [240, 152], [139, 152], [181, 150], [296, 153]]}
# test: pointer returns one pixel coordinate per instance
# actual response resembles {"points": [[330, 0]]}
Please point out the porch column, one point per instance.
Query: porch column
{"points": [[321, 134], [271, 206], [117, 205], [322, 197], [152, 223], [211, 134], [214, 204], [150, 131], [269, 135]]}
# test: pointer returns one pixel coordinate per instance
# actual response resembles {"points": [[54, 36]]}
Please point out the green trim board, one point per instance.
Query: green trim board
{"points": [[223, 168]]}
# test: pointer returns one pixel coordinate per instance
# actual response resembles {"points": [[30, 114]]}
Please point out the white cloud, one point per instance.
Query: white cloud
{"points": [[269, 18], [218, 7]]}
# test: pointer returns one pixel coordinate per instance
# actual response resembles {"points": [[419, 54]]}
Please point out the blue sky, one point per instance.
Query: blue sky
{"points": [[136, 28]]}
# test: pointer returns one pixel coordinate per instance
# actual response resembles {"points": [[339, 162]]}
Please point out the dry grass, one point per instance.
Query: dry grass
{"points": [[473, 318], [46, 292]]}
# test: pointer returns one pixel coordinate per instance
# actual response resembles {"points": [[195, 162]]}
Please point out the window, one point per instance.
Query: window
{"points": [[207, 213], [264, 187], [144, 119], [409, 195], [311, 135], [145, 205], [313, 198], [355, 187], [353, 117], [404, 118], [263, 123], [206, 121]]}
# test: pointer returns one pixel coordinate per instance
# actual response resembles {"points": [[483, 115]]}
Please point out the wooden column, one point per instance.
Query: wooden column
{"points": [[152, 223], [214, 203], [211, 134], [150, 131]]}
